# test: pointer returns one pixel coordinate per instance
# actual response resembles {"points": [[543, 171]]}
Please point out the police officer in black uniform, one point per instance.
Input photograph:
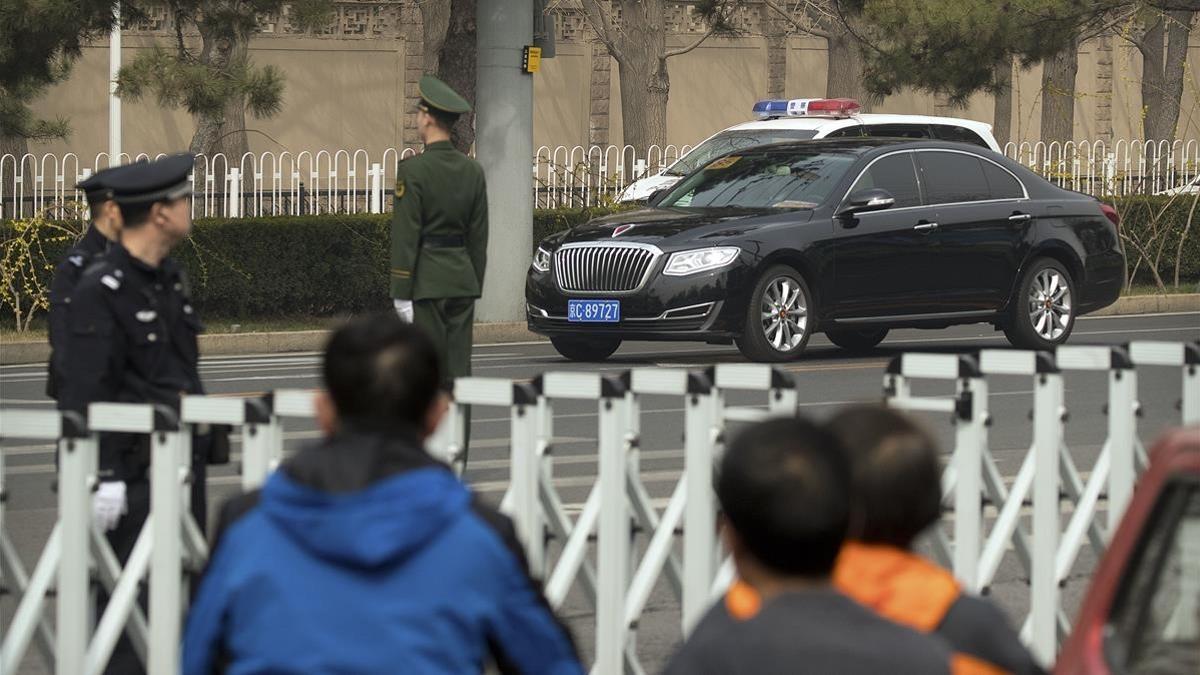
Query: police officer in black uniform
{"points": [[132, 338], [104, 229]]}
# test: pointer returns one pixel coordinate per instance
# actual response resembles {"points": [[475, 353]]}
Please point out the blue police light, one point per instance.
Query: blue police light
{"points": [[806, 107], [770, 108]]}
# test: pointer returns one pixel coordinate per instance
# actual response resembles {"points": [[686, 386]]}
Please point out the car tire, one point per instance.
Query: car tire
{"points": [[857, 340], [766, 338], [1042, 314], [585, 349]]}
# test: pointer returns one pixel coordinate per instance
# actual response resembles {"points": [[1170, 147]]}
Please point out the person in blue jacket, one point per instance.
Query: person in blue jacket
{"points": [[362, 553]]}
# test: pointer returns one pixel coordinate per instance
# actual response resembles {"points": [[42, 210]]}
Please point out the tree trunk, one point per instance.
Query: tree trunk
{"points": [[435, 22], [1164, 53], [844, 73], [1002, 106], [16, 146], [224, 133], [1058, 94], [642, 64], [456, 66]]}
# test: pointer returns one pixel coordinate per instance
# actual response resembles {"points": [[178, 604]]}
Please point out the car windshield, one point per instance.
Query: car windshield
{"points": [[777, 179], [729, 141]]}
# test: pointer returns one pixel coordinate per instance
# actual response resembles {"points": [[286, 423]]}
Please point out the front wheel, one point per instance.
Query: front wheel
{"points": [[780, 317], [585, 349], [859, 340], [1042, 314]]}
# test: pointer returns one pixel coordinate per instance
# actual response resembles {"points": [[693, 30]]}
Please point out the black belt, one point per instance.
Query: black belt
{"points": [[444, 241]]}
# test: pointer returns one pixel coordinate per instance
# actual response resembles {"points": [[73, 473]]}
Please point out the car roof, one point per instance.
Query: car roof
{"points": [[864, 145], [819, 123]]}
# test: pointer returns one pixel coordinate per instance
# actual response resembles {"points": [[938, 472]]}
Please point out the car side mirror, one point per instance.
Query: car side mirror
{"points": [[658, 194], [865, 200]]}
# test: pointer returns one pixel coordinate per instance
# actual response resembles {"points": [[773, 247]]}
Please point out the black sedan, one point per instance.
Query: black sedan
{"points": [[850, 237]]}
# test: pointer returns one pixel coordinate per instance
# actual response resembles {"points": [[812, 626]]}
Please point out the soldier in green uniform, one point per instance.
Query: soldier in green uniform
{"points": [[439, 232]]}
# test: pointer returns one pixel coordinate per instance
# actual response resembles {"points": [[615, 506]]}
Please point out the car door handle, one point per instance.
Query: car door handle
{"points": [[926, 227], [1020, 217]]}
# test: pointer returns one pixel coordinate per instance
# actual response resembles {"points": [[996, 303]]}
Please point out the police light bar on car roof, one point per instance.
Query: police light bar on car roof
{"points": [[806, 107]]}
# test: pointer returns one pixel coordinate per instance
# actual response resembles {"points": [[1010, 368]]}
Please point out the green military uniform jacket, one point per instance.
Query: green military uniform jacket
{"points": [[439, 226]]}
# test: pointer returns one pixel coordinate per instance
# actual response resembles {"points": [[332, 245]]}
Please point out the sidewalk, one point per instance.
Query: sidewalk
{"points": [[38, 351]]}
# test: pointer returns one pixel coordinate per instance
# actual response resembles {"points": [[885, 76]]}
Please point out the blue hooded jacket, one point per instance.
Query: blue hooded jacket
{"points": [[405, 575]]}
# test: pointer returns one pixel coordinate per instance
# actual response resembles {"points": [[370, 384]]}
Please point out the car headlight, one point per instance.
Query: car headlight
{"points": [[690, 262], [541, 260]]}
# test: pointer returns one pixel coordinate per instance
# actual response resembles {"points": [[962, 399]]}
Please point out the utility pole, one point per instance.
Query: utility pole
{"points": [[504, 146], [114, 103]]}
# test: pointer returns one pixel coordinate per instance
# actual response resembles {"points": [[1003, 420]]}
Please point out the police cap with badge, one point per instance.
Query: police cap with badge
{"points": [[439, 100], [97, 187], [144, 183]]}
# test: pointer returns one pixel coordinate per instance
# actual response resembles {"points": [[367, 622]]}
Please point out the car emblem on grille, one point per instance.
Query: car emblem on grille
{"points": [[621, 229]]}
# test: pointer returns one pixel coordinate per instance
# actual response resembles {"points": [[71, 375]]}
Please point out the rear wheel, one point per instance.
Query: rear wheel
{"points": [[585, 349], [857, 340], [780, 317], [1043, 312]]}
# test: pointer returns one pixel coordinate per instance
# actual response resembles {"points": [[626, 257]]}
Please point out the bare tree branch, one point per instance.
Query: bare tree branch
{"points": [[696, 43], [601, 20], [815, 11]]}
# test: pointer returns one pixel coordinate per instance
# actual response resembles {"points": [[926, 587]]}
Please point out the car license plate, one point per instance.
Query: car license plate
{"points": [[594, 311]]}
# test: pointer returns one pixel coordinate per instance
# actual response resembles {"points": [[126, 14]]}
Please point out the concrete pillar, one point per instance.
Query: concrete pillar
{"points": [[504, 146]]}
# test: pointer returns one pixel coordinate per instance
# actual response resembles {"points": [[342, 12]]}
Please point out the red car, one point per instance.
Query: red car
{"points": [[1142, 612]]}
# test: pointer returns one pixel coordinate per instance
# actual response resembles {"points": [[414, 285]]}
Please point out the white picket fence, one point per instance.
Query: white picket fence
{"points": [[358, 181]]}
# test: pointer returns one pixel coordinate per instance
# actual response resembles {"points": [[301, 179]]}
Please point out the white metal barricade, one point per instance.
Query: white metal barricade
{"points": [[963, 477], [63, 564], [726, 378]]}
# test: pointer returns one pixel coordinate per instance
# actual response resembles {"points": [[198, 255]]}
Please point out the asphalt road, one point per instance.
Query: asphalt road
{"points": [[827, 379]]}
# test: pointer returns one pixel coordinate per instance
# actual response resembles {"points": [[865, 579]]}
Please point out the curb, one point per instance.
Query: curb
{"points": [[38, 351], [12, 353]]}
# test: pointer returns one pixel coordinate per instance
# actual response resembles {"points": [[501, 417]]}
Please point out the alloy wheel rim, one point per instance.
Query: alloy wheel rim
{"points": [[784, 314], [1050, 305]]}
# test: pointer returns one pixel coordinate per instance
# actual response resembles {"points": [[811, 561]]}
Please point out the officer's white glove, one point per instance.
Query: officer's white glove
{"points": [[109, 504], [405, 309]]}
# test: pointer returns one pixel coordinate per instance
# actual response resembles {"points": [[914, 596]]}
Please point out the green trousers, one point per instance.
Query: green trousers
{"points": [[450, 323]]}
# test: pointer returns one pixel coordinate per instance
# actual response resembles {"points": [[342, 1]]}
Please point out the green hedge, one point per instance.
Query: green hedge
{"points": [[1151, 228], [337, 264], [280, 266]]}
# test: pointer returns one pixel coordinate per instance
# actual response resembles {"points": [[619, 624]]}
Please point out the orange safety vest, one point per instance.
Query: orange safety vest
{"points": [[896, 584]]}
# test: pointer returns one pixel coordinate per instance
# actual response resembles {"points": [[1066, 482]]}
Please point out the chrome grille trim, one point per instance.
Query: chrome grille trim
{"points": [[604, 268]]}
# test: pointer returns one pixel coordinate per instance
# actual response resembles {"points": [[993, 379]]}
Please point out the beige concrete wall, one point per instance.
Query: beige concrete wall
{"points": [[712, 87], [339, 94], [560, 97], [348, 93]]}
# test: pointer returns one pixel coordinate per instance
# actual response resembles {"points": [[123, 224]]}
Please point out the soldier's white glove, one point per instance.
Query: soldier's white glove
{"points": [[405, 309], [109, 504]]}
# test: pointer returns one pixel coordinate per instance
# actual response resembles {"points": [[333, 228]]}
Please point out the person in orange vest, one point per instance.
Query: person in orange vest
{"points": [[784, 489], [896, 495]]}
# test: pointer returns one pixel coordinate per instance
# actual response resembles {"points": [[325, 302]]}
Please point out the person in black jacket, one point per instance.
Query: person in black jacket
{"points": [[132, 338], [104, 228], [362, 553], [784, 490]]}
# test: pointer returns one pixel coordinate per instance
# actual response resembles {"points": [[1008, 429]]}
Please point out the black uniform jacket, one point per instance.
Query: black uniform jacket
{"points": [[66, 275], [131, 339]]}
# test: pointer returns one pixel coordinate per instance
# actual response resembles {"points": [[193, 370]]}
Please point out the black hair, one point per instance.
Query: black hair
{"points": [[896, 476], [784, 486], [97, 198], [381, 372], [134, 216]]}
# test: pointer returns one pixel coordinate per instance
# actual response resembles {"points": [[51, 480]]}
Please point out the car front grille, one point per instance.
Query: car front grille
{"points": [[603, 268]]}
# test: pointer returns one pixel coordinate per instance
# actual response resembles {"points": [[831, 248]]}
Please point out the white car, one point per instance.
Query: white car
{"points": [[803, 119]]}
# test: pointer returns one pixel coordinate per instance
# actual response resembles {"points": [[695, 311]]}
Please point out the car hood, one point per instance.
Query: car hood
{"points": [[671, 226]]}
